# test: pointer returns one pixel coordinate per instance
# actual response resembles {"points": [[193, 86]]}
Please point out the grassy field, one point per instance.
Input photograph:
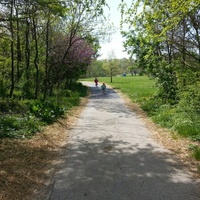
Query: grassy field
{"points": [[137, 88]]}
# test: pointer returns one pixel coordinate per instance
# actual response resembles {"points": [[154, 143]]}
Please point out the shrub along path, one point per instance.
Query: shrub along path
{"points": [[111, 155]]}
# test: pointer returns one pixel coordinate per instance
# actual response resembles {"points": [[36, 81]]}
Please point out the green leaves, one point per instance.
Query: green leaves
{"points": [[160, 37], [22, 119], [164, 39], [46, 111]]}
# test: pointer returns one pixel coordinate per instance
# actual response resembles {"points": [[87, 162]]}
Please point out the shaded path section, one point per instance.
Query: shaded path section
{"points": [[111, 156]]}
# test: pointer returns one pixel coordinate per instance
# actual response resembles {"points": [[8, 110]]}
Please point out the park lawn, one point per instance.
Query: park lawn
{"points": [[137, 88]]}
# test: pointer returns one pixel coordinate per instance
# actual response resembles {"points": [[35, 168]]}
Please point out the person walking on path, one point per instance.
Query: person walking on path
{"points": [[112, 156], [103, 87], [96, 81]]}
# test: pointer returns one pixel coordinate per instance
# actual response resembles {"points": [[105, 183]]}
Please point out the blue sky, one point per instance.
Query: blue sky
{"points": [[116, 44]]}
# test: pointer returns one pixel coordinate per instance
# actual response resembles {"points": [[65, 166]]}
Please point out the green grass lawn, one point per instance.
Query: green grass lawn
{"points": [[137, 88]]}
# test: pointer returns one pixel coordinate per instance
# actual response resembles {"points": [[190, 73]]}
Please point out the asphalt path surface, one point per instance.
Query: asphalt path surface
{"points": [[111, 156]]}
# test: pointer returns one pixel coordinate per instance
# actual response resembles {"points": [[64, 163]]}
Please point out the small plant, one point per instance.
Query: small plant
{"points": [[151, 105], [18, 126], [195, 151], [47, 111], [164, 115]]}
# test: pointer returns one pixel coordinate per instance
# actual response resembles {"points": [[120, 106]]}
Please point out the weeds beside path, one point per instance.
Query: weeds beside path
{"points": [[26, 166], [171, 141]]}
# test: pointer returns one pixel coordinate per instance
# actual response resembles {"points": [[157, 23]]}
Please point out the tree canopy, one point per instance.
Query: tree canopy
{"points": [[164, 38], [46, 44]]}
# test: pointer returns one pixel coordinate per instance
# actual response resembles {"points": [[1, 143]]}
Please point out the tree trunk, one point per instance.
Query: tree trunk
{"points": [[46, 61], [12, 49], [27, 50], [19, 56], [111, 74], [36, 59]]}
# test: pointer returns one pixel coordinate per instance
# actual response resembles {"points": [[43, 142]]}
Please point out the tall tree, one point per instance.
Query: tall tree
{"points": [[12, 47], [31, 29], [112, 65], [164, 40]]}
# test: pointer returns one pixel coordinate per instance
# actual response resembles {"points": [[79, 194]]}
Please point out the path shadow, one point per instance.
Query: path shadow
{"points": [[109, 166], [109, 102], [96, 93], [116, 170]]}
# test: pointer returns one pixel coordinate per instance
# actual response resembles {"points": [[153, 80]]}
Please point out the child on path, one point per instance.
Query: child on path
{"points": [[103, 87], [96, 81]]}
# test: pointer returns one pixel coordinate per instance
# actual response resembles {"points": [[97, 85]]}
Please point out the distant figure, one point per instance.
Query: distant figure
{"points": [[96, 81], [103, 87]]}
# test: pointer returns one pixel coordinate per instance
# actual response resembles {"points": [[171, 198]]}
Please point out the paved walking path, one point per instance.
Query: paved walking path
{"points": [[111, 156]]}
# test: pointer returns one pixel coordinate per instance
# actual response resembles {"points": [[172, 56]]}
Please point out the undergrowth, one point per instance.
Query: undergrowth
{"points": [[24, 118]]}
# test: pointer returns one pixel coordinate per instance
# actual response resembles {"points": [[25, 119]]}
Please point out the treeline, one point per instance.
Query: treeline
{"points": [[45, 46], [111, 67], [164, 37]]}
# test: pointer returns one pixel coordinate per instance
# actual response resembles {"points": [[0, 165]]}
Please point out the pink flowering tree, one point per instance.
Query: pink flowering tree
{"points": [[69, 59]]}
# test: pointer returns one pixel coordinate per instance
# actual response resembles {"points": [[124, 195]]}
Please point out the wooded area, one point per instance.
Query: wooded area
{"points": [[45, 46]]}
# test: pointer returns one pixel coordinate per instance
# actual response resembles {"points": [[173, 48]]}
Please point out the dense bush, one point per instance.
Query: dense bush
{"points": [[10, 106], [23, 118], [182, 117], [47, 111], [18, 126]]}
